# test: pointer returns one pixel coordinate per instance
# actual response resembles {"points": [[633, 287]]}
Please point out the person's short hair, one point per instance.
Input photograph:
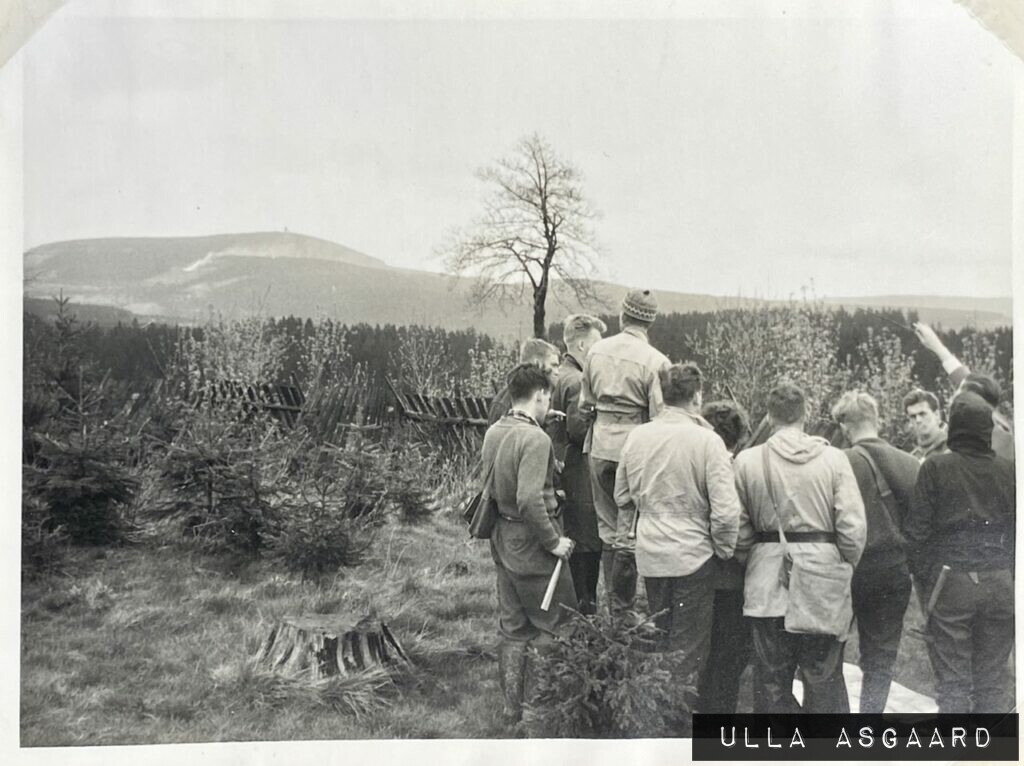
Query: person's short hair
{"points": [[919, 395], [786, 403], [729, 420], [536, 351], [578, 325], [856, 407], [525, 380], [984, 386], [680, 382]]}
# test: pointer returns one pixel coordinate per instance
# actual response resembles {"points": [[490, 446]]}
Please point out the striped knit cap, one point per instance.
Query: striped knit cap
{"points": [[640, 304]]}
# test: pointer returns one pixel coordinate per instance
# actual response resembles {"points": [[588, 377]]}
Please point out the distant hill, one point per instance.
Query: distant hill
{"points": [[281, 273], [101, 315]]}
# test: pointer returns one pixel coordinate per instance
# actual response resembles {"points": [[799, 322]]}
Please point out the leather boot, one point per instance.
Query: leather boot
{"points": [[623, 586], [511, 673]]}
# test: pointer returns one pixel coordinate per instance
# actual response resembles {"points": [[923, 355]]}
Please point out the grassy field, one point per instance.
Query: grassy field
{"points": [[153, 644], [150, 644]]}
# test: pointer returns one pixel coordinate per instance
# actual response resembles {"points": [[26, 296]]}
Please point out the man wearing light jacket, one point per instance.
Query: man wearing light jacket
{"points": [[823, 522], [675, 476], [620, 387]]}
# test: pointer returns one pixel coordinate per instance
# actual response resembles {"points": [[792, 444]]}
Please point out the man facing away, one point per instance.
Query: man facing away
{"points": [[527, 538], [620, 387], [675, 476], [881, 583], [580, 332], [963, 518], [925, 416], [730, 630], [533, 351], [823, 520]]}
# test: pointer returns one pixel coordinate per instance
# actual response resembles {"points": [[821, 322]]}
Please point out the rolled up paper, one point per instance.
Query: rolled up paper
{"points": [[550, 592]]}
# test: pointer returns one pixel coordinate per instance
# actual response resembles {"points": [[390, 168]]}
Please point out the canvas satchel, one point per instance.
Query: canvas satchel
{"points": [[820, 602], [481, 512]]}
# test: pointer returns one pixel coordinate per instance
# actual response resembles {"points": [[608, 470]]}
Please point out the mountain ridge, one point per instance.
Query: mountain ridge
{"points": [[282, 273]]}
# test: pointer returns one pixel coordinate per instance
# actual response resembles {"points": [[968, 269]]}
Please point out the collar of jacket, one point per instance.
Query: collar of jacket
{"points": [[525, 416], [672, 412], [636, 332], [573, 361], [940, 437]]}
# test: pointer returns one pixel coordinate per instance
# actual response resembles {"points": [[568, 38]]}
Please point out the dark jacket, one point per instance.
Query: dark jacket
{"points": [[521, 484], [885, 546], [964, 506], [1002, 427], [567, 437]]}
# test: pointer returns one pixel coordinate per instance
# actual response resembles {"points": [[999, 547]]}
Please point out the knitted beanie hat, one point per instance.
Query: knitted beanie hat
{"points": [[640, 304]]}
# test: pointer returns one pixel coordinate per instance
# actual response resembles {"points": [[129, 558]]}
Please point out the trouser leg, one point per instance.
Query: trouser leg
{"points": [[951, 648], [586, 567], [993, 642], [880, 598], [774, 666], [821, 669], [728, 656], [607, 564], [621, 585]]}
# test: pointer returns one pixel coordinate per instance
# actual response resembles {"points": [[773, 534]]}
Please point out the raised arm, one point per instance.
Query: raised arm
{"points": [[956, 370]]}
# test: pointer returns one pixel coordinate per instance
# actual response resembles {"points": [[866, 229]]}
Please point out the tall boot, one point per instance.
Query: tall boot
{"points": [[624, 577], [534, 725], [511, 676]]}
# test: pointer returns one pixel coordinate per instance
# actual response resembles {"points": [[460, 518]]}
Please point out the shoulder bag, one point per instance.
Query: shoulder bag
{"points": [[481, 512]]}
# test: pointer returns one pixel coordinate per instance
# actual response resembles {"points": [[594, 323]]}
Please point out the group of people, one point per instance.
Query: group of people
{"points": [[607, 457]]}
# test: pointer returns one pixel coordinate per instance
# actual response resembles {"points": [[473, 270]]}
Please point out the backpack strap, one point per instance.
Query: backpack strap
{"points": [[884, 490], [770, 486]]}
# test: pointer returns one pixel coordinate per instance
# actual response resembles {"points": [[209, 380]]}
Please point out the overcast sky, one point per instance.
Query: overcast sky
{"points": [[752, 155]]}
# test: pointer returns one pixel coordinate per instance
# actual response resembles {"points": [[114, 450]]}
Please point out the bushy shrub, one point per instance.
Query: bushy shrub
{"points": [[220, 476], [602, 679], [75, 481], [324, 521], [411, 483]]}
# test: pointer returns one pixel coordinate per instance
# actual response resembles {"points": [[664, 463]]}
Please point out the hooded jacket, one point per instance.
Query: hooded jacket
{"points": [[817, 492], [964, 506]]}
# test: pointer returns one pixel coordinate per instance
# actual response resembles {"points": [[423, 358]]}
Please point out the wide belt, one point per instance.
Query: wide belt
{"points": [[796, 537], [605, 416], [509, 518]]}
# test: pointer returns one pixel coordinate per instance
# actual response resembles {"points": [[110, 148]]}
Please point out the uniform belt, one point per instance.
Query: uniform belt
{"points": [[797, 537], [621, 417], [509, 518]]}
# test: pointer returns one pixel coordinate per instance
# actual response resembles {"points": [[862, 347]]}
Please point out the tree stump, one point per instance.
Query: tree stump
{"points": [[329, 645]]}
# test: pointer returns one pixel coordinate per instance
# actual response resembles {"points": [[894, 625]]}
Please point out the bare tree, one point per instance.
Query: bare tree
{"points": [[534, 234]]}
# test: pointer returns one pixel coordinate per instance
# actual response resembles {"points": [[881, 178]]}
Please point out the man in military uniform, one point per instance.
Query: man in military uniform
{"points": [[620, 386], [567, 436], [527, 539]]}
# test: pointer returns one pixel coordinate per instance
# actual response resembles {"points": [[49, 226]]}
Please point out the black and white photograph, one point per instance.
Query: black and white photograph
{"points": [[506, 371]]}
